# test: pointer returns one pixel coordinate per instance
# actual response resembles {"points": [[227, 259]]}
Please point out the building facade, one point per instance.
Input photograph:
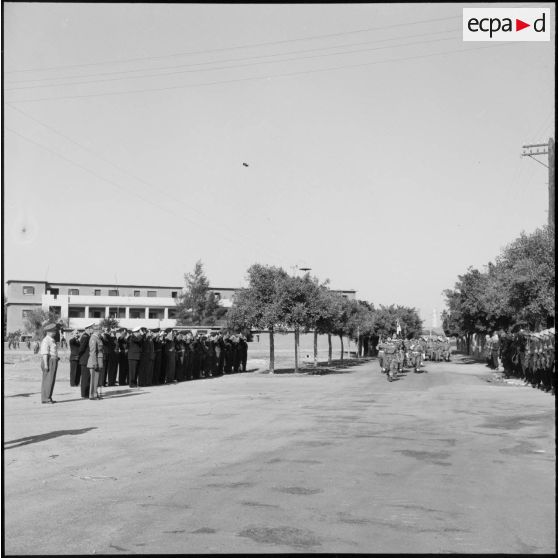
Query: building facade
{"points": [[81, 303]]}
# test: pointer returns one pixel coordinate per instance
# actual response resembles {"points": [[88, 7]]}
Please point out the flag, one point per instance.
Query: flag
{"points": [[398, 327]]}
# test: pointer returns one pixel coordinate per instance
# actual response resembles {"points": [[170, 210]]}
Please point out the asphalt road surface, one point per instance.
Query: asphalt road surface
{"points": [[253, 463]]}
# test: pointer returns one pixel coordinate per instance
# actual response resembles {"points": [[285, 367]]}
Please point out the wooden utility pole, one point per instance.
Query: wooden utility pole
{"points": [[544, 149]]}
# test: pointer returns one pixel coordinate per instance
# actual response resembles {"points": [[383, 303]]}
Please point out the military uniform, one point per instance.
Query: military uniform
{"points": [[135, 349], [75, 373], [83, 358]]}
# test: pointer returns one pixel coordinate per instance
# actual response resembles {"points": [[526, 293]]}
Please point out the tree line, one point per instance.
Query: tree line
{"points": [[278, 302], [517, 289]]}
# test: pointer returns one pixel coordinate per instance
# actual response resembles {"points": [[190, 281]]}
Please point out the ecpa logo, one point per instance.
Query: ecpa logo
{"points": [[506, 24]]}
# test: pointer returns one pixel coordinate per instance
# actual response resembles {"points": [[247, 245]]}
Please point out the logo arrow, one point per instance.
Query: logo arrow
{"points": [[519, 25]]}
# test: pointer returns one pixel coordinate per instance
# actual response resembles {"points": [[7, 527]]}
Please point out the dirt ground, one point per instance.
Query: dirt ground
{"points": [[341, 461]]}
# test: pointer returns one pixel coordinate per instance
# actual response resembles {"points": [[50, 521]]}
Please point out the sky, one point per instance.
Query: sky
{"points": [[382, 151]]}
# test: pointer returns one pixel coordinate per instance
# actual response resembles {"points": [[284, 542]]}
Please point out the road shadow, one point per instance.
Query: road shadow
{"points": [[324, 368], [24, 394], [42, 437]]}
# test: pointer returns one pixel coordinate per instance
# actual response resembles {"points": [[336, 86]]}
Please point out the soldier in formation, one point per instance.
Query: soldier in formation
{"points": [[396, 354], [528, 356]]}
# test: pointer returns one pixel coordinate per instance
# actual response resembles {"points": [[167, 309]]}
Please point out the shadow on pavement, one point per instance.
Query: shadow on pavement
{"points": [[336, 367], [24, 394], [42, 437]]}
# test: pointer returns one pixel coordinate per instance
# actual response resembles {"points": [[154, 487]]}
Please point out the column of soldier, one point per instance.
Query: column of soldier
{"points": [[525, 355], [395, 354], [147, 357]]}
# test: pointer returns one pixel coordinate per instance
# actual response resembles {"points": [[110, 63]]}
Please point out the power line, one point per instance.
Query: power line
{"points": [[134, 192], [238, 80], [249, 45], [233, 66], [120, 72]]}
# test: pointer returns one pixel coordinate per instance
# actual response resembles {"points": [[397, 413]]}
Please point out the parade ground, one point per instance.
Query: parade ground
{"points": [[342, 461]]}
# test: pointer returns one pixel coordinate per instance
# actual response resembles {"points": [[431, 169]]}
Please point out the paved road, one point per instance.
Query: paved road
{"points": [[252, 463]]}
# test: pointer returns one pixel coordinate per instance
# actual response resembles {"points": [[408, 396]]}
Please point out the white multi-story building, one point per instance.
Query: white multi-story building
{"points": [[146, 305]]}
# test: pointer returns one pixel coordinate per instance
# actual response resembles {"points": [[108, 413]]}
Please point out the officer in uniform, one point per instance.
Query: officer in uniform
{"points": [[180, 346], [83, 358], [135, 350], [243, 345], [95, 363], [49, 363], [157, 352], [170, 357], [74, 359], [122, 345]]}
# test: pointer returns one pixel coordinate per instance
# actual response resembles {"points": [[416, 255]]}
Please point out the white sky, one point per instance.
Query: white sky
{"points": [[389, 177]]}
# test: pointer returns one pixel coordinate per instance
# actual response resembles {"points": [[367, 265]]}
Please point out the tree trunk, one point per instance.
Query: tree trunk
{"points": [[296, 350], [315, 348], [329, 349], [341, 338], [271, 352]]}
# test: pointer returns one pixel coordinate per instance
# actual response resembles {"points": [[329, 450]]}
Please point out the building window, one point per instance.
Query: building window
{"points": [[113, 292], [136, 293], [172, 313], [152, 293], [117, 313], [97, 292], [174, 294], [156, 314], [96, 312], [217, 296], [73, 292], [25, 313], [76, 311], [137, 313], [28, 290]]}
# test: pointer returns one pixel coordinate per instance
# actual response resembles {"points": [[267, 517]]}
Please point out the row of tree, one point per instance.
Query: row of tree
{"points": [[518, 288], [277, 302]]}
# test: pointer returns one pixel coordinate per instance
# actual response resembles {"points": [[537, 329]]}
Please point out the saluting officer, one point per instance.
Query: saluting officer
{"points": [[135, 349], [243, 345], [83, 358], [74, 359], [170, 357], [122, 344]]}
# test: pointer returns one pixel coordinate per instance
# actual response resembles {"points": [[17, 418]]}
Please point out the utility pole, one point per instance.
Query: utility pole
{"points": [[544, 149]]}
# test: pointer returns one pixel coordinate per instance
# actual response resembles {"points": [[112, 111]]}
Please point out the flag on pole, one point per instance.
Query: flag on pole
{"points": [[398, 327], [434, 319]]}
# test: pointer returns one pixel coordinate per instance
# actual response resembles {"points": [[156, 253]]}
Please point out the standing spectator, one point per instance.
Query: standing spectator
{"points": [[49, 363], [36, 346], [95, 363], [75, 373]]}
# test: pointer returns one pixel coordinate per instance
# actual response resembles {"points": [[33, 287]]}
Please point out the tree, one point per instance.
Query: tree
{"points": [[259, 305], [387, 318], [109, 323], [35, 320], [528, 278], [197, 305], [331, 309], [300, 306]]}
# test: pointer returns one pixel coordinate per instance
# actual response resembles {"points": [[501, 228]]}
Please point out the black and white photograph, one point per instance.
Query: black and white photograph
{"points": [[278, 278]]}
